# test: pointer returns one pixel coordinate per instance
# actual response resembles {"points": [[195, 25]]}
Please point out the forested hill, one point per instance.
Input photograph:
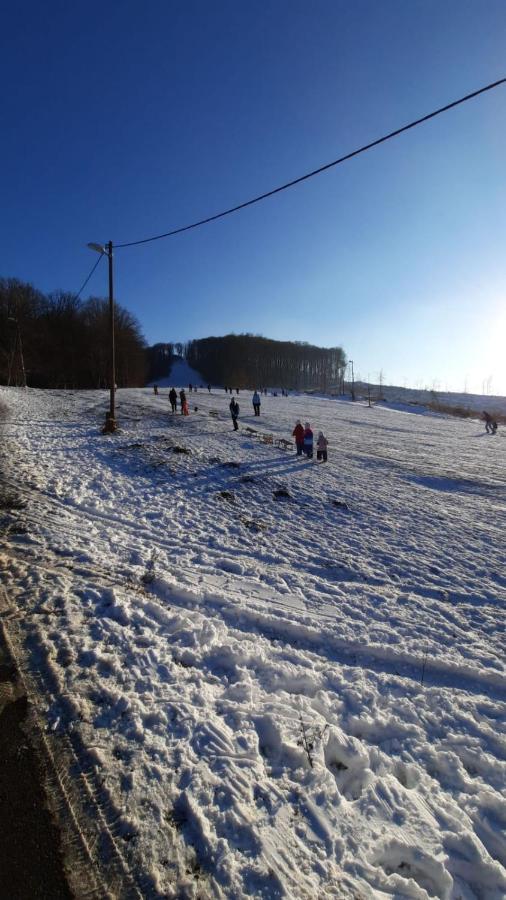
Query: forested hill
{"points": [[57, 340], [246, 360]]}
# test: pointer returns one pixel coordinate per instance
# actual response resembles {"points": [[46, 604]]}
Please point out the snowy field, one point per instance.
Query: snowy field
{"points": [[293, 696]]}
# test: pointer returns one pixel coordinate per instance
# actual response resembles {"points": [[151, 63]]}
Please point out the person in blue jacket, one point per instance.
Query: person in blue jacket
{"points": [[308, 441], [256, 403]]}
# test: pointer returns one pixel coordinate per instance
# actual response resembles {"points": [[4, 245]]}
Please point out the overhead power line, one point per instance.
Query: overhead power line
{"points": [[81, 289], [330, 165]]}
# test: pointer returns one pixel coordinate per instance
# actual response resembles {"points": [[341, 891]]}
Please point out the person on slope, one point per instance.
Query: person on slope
{"points": [[155, 390], [234, 412], [173, 400], [490, 423], [308, 441], [185, 408], [298, 434], [256, 403], [182, 399], [321, 447]]}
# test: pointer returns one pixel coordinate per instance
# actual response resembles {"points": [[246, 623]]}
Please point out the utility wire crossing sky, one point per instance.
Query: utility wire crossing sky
{"points": [[399, 258], [325, 168]]}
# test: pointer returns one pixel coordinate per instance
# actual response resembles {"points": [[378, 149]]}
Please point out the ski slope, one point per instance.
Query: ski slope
{"points": [[295, 696], [181, 375]]}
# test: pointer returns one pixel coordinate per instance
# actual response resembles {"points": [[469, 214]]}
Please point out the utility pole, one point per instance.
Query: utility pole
{"points": [[110, 418], [352, 381]]}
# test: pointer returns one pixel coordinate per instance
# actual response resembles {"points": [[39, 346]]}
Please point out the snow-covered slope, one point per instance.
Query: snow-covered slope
{"points": [[295, 696], [181, 375], [476, 402]]}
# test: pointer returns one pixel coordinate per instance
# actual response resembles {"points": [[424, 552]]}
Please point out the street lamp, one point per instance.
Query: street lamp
{"points": [[110, 419]]}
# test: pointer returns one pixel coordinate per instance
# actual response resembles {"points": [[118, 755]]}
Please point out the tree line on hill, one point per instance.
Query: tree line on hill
{"points": [[58, 341], [246, 360]]}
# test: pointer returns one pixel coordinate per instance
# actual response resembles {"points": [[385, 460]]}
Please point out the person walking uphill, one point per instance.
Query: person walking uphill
{"points": [[321, 447], [256, 403], [234, 412], [298, 434], [308, 441], [173, 400]]}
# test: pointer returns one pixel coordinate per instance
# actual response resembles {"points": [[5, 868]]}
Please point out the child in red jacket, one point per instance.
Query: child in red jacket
{"points": [[298, 434]]}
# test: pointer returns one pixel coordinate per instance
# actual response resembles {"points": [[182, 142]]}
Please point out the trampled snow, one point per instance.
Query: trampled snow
{"points": [[289, 675]]}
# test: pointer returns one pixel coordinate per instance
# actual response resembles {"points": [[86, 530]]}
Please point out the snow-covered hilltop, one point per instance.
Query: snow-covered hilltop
{"points": [[181, 375], [288, 676]]}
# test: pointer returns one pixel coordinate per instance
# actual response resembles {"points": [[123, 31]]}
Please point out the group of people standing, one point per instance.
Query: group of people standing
{"points": [[303, 434], [304, 440], [182, 399]]}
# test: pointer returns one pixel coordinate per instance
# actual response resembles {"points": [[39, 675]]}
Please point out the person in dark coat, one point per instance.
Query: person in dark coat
{"points": [[173, 400], [256, 403], [182, 399], [155, 390], [234, 412], [490, 423], [298, 434]]}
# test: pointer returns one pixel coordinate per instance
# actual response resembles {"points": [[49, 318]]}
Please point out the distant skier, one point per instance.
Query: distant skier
{"points": [[308, 441], [209, 388], [182, 399], [190, 387], [490, 423], [155, 390], [298, 434], [173, 400], [256, 403], [321, 447], [234, 412]]}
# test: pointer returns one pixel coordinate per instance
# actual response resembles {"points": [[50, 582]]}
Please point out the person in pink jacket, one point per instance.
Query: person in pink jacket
{"points": [[321, 447]]}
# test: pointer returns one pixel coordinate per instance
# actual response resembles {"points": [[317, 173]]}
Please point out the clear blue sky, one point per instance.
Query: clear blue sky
{"points": [[126, 119]]}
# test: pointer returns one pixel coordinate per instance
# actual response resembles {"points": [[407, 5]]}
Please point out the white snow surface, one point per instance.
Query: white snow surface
{"points": [[181, 375], [299, 696], [494, 404]]}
